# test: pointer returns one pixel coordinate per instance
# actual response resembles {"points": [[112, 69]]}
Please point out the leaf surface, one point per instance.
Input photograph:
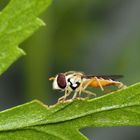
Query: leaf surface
{"points": [[34, 120]]}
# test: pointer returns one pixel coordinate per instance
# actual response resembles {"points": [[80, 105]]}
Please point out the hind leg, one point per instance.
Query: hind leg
{"points": [[89, 93], [120, 85]]}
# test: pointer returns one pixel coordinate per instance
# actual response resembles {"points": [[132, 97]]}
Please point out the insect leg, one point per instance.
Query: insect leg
{"points": [[87, 84], [99, 83], [75, 95], [82, 88], [120, 85], [63, 98], [89, 93]]}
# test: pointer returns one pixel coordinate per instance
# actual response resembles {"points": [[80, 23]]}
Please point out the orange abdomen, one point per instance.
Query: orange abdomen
{"points": [[103, 82]]}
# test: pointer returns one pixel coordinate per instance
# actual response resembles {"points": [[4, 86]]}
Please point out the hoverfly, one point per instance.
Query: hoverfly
{"points": [[78, 82]]}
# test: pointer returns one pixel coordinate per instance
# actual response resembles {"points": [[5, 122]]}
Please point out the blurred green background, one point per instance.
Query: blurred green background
{"points": [[93, 36]]}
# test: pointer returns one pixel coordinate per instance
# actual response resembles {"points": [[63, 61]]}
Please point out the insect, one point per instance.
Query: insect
{"points": [[78, 82]]}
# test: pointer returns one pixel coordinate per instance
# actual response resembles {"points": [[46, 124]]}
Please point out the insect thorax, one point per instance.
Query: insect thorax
{"points": [[73, 81]]}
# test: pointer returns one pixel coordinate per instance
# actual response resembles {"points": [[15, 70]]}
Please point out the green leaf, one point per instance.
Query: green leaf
{"points": [[34, 120], [18, 21]]}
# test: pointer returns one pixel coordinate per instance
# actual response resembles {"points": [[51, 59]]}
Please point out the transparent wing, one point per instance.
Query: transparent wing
{"points": [[112, 77]]}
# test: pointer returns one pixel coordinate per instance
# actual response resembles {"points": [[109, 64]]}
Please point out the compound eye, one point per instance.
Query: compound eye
{"points": [[61, 80]]}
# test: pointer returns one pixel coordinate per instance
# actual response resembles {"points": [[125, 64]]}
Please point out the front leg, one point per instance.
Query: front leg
{"points": [[63, 98]]}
